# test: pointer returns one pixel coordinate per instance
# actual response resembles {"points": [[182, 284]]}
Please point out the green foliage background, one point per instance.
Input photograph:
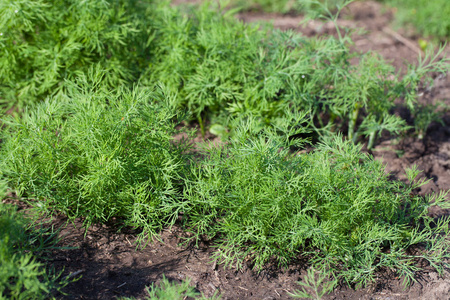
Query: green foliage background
{"points": [[429, 18], [285, 6], [215, 66], [221, 68]]}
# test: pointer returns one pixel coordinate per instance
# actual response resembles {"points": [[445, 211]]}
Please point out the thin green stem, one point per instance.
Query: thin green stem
{"points": [[372, 138], [202, 125], [332, 122], [352, 123]]}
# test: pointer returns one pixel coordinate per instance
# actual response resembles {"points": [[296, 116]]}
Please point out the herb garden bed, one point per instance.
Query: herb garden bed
{"points": [[111, 265]]}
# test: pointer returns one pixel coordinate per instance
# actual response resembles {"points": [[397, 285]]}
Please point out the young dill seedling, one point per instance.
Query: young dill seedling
{"points": [[173, 291]]}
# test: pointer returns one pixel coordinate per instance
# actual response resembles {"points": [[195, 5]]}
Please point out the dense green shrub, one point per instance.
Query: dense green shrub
{"points": [[334, 206], [101, 154], [98, 154], [43, 43]]}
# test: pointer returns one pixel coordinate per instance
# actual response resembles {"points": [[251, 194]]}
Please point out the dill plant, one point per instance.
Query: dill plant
{"points": [[43, 43], [335, 206], [173, 291], [220, 68], [98, 154], [216, 66], [22, 275]]}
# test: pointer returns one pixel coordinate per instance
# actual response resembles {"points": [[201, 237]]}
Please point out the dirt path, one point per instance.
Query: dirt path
{"points": [[110, 265]]}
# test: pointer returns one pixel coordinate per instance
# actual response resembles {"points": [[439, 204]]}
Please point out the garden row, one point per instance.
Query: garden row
{"points": [[213, 66], [98, 154], [118, 79]]}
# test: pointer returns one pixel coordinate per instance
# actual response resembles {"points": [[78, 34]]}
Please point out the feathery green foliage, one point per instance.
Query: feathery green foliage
{"points": [[96, 153], [215, 66], [334, 206], [173, 291], [22, 276], [43, 43], [314, 286], [220, 68], [429, 18]]}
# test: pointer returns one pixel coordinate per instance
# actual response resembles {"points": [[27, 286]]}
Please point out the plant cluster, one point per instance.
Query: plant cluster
{"points": [[334, 206], [98, 154], [220, 68], [215, 66], [101, 146]]}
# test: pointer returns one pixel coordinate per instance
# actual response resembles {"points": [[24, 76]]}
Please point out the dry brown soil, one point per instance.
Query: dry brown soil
{"points": [[110, 265]]}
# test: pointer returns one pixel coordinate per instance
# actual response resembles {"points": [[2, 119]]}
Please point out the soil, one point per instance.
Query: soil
{"points": [[111, 265]]}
